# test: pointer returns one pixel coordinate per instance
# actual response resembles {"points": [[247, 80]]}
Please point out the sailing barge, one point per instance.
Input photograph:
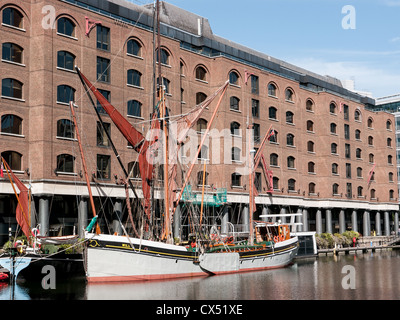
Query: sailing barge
{"points": [[125, 258], [120, 258]]}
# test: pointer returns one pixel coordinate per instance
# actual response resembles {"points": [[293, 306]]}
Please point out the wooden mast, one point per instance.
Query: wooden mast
{"points": [[251, 184], [163, 116], [84, 165]]}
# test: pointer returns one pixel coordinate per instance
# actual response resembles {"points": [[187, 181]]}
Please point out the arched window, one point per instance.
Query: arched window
{"points": [[272, 90], [201, 125], [200, 97], [203, 154], [291, 162], [390, 159], [335, 168], [360, 191], [164, 56], [14, 159], [274, 137], [235, 128], [65, 60], [134, 48], [370, 140], [236, 153], [335, 189], [272, 112], [134, 78], [201, 73], [332, 108], [371, 158], [11, 124], [166, 83], [373, 194], [390, 176], [310, 146], [275, 183], [311, 167], [65, 93], [234, 103], [134, 108], [12, 17], [289, 95], [309, 105], [65, 129], [290, 139], [12, 52], [389, 142], [234, 78], [357, 115], [65, 163], [334, 148], [311, 188], [236, 179], [358, 153], [333, 128], [310, 126], [66, 27], [357, 134], [200, 176], [11, 88], [133, 170], [391, 194], [388, 125], [359, 172], [370, 122], [292, 185], [273, 159], [289, 117]]}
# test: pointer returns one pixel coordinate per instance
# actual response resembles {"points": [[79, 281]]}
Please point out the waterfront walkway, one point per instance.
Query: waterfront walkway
{"points": [[365, 245]]}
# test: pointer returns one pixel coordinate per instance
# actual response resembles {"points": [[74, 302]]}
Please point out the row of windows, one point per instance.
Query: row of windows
{"points": [[291, 187], [65, 163], [12, 124], [65, 26]]}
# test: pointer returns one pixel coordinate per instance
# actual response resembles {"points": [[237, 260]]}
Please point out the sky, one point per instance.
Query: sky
{"points": [[357, 40]]}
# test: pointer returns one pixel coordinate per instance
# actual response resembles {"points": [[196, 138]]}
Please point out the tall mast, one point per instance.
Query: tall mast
{"points": [[251, 184], [84, 165], [163, 115]]}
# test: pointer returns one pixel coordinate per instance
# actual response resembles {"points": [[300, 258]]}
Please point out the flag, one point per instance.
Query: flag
{"points": [[1, 170]]}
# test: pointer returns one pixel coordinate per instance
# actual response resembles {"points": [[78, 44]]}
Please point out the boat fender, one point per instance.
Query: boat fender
{"points": [[276, 239], [281, 237], [35, 232]]}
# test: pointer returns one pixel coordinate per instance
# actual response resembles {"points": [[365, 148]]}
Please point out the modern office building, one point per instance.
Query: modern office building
{"points": [[332, 158]]}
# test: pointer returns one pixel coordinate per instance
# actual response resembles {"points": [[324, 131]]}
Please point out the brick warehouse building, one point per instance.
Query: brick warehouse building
{"points": [[325, 145]]}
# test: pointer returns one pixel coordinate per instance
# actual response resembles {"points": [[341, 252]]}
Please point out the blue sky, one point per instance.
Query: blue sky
{"points": [[309, 34]]}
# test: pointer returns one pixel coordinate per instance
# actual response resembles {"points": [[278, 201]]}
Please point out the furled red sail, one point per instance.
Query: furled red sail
{"points": [[135, 138], [23, 202]]}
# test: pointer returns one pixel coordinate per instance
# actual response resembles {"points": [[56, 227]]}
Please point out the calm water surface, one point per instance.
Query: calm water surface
{"points": [[376, 277]]}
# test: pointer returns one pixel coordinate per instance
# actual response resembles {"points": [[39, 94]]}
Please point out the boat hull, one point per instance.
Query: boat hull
{"points": [[114, 258], [31, 267]]}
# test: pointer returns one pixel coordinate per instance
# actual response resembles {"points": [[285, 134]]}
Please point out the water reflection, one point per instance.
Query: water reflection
{"points": [[376, 277]]}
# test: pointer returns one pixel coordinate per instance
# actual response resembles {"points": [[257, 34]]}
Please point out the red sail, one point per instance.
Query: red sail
{"points": [[23, 203], [134, 137]]}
